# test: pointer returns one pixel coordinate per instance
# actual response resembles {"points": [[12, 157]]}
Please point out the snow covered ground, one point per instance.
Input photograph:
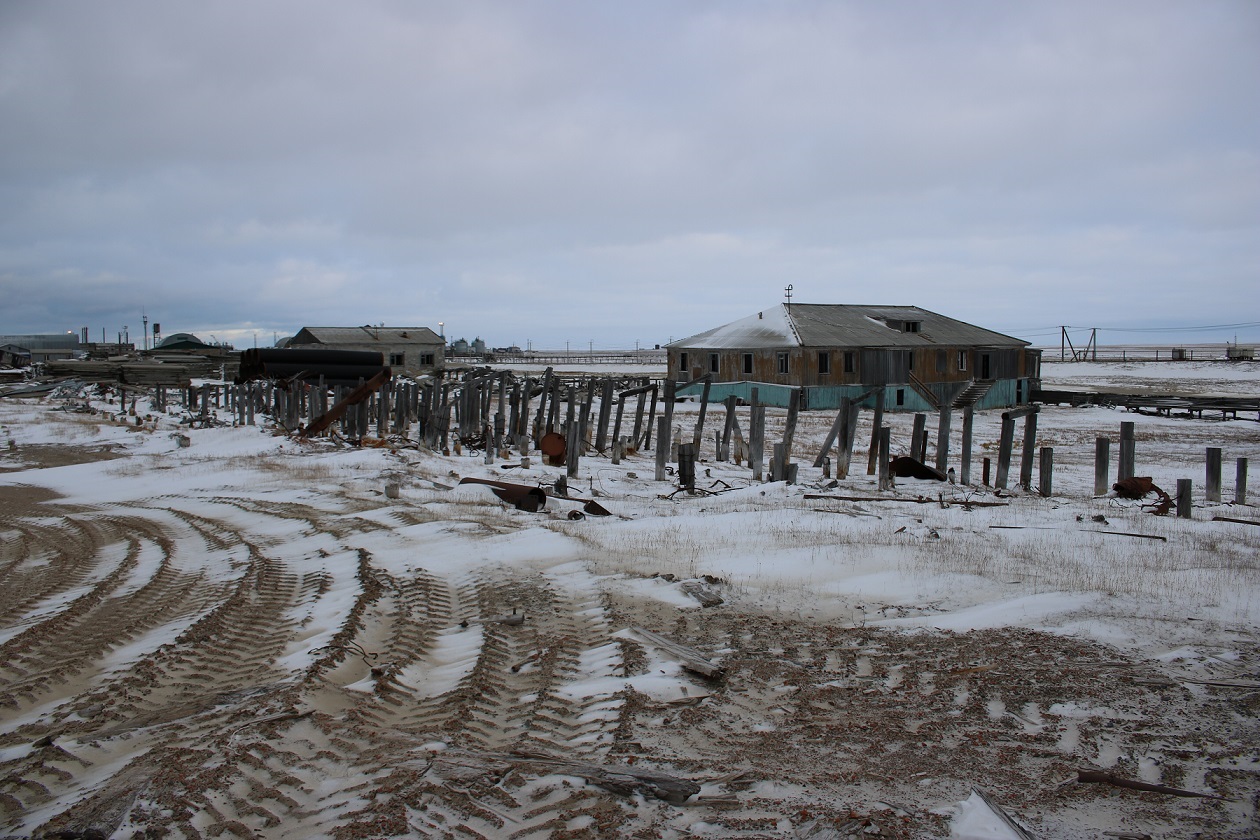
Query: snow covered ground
{"points": [[247, 636]]}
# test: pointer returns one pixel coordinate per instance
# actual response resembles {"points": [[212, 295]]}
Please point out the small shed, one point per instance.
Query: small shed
{"points": [[923, 360], [407, 350]]}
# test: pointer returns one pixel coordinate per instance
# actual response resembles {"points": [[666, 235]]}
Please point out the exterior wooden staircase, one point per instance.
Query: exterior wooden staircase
{"points": [[972, 394]]}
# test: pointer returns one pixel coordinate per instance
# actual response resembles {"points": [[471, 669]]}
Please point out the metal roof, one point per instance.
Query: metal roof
{"points": [[367, 335], [844, 325]]}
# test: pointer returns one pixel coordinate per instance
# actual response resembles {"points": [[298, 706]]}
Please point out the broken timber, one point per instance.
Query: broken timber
{"points": [[1101, 777], [355, 397], [690, 658]]}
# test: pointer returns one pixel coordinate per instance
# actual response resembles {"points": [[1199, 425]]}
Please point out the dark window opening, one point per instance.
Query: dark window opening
{"points": [[849, 362], [910, 359], [824, 363], [682, 363], [426, 359], [912, 326], [783, 363], [748, 363], [962, 359], [396, 359], [901, 396], [714, 362]]}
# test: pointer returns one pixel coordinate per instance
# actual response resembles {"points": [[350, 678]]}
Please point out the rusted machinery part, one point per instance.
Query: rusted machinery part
{"points": [[555, 447], [521, 496]]}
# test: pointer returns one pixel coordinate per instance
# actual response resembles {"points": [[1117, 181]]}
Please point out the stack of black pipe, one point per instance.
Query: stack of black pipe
{"points": [[338, 367]]}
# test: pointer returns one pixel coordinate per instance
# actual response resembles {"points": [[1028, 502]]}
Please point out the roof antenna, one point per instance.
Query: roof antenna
{"points": [[788, 292]]}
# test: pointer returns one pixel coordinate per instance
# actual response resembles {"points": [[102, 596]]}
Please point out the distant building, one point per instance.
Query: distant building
{"points": [[922, 360], [183, 341], [411, 350], [13, 356], [45, 347]]}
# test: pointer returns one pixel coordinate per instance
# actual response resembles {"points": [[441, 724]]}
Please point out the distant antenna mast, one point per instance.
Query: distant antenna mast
{"points": [[788, 292]]}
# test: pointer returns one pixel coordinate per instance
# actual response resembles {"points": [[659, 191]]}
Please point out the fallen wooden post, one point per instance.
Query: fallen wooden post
{"points": [[1238, 521], [1101, 777], [691, 658]]}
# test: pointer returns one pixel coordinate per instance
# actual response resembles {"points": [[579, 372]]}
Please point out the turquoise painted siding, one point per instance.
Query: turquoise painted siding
{"points": [[824, 398]]}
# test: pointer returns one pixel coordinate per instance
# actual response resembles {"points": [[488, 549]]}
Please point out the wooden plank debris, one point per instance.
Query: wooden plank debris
{"points": [[1103, 777], [1001, 814], [690, 658]]}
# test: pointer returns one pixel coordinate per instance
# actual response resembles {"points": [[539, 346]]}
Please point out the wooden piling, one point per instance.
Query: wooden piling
{"points": [[1026, 459], [1212, 487], [607, 388], [942, 437], [662, 447], [1240, 482], [1045, 472], [704, 407], [724, 442], [968, 429], [1184, 504], [1102, 466], [1127, 452], [885, 447], [918, 444], [872, 460], [1005, 445], [756, 440]]}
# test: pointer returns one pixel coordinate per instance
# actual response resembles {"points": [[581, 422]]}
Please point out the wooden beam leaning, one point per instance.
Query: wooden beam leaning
{"points": [[355, 397]]}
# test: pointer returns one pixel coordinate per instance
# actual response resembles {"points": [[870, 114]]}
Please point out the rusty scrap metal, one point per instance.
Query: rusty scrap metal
{"points": [[554, 447], [520, 496], [907, 467], [1139, 487]]}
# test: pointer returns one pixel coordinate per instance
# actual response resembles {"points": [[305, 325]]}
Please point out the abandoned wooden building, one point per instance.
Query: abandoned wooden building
{"points": [[922, 360], [410, 350]]}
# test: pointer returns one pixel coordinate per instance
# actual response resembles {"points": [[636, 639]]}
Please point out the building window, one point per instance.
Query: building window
{"points": [[426, 359], [910, 360], [912, 326], [824, 363], [397, 359], [748, 363], [682, 363], [714, 362], [901, 396], [783, 363], [849, 362], [962, 359]]}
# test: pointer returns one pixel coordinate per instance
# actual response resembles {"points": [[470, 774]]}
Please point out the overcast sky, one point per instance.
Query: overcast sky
{"points": [[616, 172]]}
